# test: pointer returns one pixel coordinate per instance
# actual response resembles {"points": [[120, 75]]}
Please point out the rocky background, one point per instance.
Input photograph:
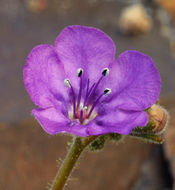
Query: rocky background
{"points": [[29, 158]]}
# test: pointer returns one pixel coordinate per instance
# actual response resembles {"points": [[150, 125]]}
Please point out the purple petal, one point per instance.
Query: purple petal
{"points": [[134, 80], [53, 121], [120, 121], [44, 76], [84, 47]]}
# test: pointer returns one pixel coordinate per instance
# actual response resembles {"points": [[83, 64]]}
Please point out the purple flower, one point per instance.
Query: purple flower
{"points": [[80, 88]]}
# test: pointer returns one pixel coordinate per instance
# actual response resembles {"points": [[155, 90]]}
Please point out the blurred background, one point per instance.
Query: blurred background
{"points": [[27, 154]]}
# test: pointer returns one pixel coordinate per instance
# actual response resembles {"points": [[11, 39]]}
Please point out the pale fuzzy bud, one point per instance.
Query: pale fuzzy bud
{"points": [[158, 119]]}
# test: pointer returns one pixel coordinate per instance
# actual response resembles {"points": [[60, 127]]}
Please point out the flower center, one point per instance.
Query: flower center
{"points": [[83, 108]]}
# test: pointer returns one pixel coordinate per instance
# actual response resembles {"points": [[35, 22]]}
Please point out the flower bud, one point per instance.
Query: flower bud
{"points": [[152, 132], [158, 119]]}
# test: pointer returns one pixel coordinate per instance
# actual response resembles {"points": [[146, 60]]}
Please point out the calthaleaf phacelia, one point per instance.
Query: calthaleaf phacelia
{"points": [[80, 88]]}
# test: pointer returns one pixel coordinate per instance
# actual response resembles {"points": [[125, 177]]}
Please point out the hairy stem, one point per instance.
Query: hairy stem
{"points": [[78, 145]]}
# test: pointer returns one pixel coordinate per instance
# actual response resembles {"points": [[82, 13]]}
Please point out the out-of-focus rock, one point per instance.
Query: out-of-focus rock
{"points": [[28, 160], [37, 5], [135, 20]]}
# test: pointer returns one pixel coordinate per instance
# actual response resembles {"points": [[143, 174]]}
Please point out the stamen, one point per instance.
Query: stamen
{"points": [[67, 83], [107, 91], [94, 89], [105, 72], [79, 72], [87, 89], [93, 106], [79, 94], [89, 94]]}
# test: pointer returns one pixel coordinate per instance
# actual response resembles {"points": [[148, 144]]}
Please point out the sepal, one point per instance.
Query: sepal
{"points": [[150, 138], [115, 137], [98, 143]]}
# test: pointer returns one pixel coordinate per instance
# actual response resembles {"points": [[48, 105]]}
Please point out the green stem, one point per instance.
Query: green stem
{"points": [[78, 145]]}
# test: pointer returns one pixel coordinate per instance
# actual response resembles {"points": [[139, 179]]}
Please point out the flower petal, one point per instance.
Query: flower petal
{"points": [[53, 121], [44, 76], [84, 47], [134, 80], [120, 121]]}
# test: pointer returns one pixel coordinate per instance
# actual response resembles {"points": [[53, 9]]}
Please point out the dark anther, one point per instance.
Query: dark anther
{"points": [[105, 72], [107, 91], [79, 72]]}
